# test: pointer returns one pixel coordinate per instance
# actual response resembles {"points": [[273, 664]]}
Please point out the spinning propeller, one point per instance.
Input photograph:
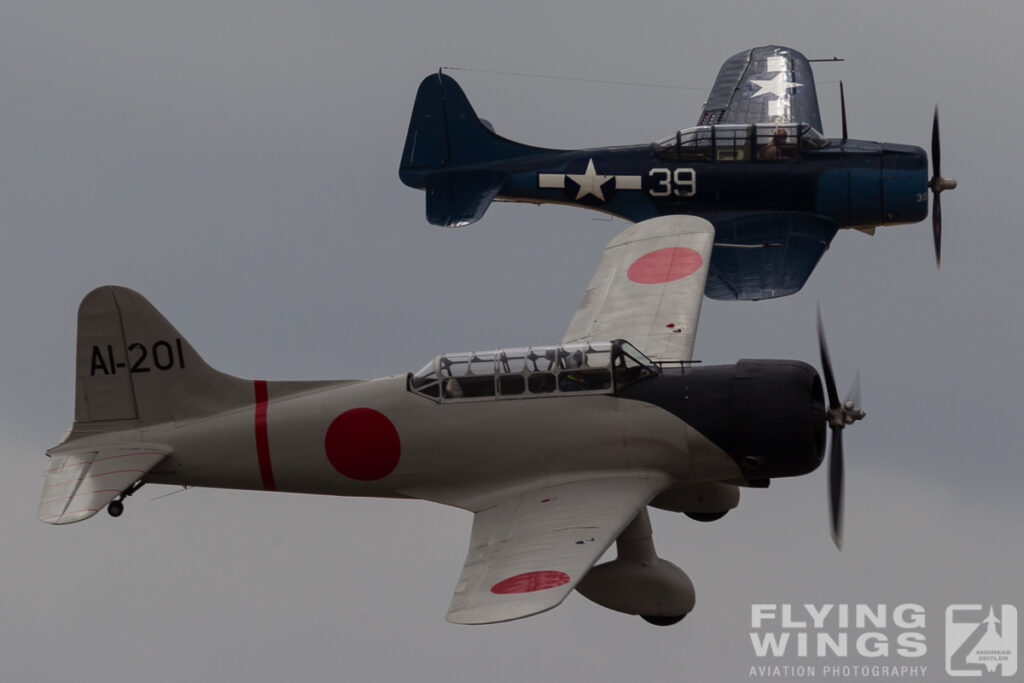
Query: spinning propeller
{"points": [[937, 185], [838, 416]]}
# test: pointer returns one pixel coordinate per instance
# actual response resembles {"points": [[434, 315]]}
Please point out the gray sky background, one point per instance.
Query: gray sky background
{"points": [[236, 162]]}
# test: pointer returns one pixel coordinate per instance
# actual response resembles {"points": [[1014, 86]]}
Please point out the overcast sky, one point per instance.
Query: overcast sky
{"points": [[237, 163]]}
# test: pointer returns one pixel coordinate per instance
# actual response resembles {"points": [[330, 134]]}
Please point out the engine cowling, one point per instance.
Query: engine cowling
{"points": [[768, 415]]}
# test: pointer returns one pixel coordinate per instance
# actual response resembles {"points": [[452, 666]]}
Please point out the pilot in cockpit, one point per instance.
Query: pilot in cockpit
{"points": [[774, 149]]}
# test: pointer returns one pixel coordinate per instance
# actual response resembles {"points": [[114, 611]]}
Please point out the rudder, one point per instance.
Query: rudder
{"points": [[426, 143]]}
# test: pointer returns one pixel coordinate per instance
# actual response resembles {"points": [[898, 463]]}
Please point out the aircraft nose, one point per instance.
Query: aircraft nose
{"points": [[904, 184]]}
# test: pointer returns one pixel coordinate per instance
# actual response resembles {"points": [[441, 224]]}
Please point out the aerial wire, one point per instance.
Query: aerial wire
{"points": [[572, 78]]}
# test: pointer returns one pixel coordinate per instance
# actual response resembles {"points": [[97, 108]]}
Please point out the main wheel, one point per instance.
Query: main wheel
{"points": [[115, 508], [706, 516], [662, 621]]}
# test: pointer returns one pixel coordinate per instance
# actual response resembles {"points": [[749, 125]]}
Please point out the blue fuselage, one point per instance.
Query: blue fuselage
{"points": [[774, 217], [851, 184]]}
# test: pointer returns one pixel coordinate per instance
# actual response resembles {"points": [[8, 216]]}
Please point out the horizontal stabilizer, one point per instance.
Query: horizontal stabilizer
{"points": [[458, 199], [79, 483]]}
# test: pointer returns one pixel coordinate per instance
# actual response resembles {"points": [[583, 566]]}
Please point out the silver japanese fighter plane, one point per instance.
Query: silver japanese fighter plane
{"points": [[556, 450]]}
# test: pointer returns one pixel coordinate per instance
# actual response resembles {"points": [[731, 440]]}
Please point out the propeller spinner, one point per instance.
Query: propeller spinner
{"points": [[838, 416], [937, 184]]}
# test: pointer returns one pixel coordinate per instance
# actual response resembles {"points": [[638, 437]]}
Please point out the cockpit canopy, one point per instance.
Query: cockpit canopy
{"points": [[596, 368], [739, 142]]}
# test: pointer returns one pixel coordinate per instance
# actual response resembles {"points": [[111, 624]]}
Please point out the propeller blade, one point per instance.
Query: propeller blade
{"points": [[835, 488], [826, 366], [838, 416], [853, 396], [842, 105], [936, 204], [938, 185]]}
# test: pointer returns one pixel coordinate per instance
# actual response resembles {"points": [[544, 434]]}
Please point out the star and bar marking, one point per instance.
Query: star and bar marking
{"points": [[778, 86], [590, 182]]}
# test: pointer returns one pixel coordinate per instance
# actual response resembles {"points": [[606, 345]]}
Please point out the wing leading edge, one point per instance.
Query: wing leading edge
{"points": [[648, 287], [528, 552]]}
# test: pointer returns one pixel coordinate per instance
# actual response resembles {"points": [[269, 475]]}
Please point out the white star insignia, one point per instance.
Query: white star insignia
{"points": [[590, 182], [777, 86]]}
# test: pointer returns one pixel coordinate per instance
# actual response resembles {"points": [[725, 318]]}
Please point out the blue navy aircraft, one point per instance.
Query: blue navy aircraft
{"points": [[756, 166]]}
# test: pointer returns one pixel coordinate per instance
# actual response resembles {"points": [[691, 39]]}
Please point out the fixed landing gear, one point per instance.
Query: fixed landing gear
{"points": [[706, 516], [116, 507], [662, 621], [638, 582]]}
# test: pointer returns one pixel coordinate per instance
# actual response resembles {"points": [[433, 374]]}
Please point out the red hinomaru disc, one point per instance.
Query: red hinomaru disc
{"points": [[530, 581], [664, 265], [363, 444]]}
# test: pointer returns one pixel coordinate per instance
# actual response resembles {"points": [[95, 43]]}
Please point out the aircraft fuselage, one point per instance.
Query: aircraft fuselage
{"points": [[378, 438], [850, 184], [773, 217]]}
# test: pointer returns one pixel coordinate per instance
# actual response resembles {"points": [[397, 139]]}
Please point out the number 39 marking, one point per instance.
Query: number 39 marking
{"points": [[682, 182]]}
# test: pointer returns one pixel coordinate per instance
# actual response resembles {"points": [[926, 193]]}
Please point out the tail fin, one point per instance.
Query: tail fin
{"points": [[445, 138], [132, 365]]}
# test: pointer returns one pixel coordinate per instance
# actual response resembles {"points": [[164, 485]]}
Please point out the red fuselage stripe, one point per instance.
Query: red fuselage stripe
{"points": [[262, 440]]}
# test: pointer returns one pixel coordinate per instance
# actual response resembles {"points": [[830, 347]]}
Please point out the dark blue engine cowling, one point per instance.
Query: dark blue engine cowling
{"points": [[904, 184], [768, 415]]}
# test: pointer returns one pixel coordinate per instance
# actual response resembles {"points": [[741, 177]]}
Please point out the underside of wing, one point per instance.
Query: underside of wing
{"points": [[766, 255], [79, 483], [648, 287], [527, 552], [770, 84]]}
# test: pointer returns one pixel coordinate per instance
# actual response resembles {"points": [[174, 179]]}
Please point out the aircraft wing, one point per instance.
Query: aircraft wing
{"points": [[648, 287], [79, 483], [770, 84], [527, 552], [762, 255]]}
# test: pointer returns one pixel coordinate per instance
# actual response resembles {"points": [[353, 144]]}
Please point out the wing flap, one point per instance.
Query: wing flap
{"points": [[528, 552], [80, 483], [648, 287]]}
